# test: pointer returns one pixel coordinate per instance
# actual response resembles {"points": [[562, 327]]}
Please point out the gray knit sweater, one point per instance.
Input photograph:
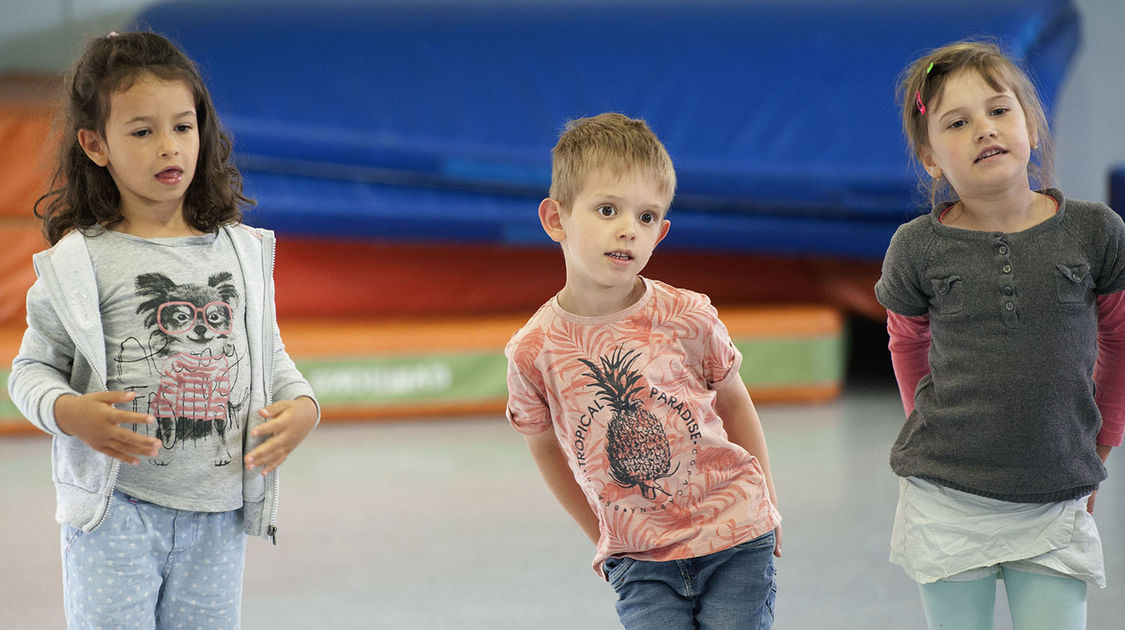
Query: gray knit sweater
{"points": [[1007, 410]]}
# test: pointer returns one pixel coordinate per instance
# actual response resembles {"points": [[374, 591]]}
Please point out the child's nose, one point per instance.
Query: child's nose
{"points": [[985, 130], [627, 229], [169, 146]]}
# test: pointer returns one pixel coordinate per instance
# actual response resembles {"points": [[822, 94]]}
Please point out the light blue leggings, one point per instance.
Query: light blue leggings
{"points": [[1037, 602]]}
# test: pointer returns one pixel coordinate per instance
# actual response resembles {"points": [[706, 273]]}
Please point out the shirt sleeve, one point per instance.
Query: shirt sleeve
{"points": [[898, 286], [1109, 371], [1111, 277], [288, 382], [41, 370], [910, 353], [721, 360], [528, 410]]}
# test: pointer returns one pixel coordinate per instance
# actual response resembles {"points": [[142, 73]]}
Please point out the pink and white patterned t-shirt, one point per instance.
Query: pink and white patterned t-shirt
{"points": [[630, 397]]}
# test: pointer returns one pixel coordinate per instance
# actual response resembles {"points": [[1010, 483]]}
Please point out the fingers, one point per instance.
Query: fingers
{"points": [[93, 419], [126, 445], [119, 442], [274, 425], [120, 439], [777, 542], [123, 456], [268, 462], [273, 451], [131, 417], [274, 410], [268, 456], [288, 423], [143, 445], [271, 427], [1090, 503], [120, 416], [112, 397]]}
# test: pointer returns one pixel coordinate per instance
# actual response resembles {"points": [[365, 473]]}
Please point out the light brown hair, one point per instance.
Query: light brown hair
{"points": [[925, 78], [610, 141]]}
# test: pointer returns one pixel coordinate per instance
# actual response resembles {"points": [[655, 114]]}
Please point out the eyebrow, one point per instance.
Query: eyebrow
{"points": [[615, 199], [183, 114], [990, 101]]}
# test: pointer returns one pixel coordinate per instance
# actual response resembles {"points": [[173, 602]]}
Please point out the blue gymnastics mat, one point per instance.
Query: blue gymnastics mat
{"points": [[427, 120]]}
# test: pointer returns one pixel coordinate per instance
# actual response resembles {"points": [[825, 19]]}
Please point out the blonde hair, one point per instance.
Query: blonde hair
{"points": [[924, 81], [607, 141]]}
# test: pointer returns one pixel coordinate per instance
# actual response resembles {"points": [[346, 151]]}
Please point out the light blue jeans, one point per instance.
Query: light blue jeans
{"points": [[1037, 602], [729, 589], [150, 567]]}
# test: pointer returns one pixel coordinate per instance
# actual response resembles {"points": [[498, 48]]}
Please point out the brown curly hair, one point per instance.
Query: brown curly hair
{"points": [[82, 194]]}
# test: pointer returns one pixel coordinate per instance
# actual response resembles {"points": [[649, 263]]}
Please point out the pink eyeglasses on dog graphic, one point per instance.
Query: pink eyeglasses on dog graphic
{"points": [[175, 318]]}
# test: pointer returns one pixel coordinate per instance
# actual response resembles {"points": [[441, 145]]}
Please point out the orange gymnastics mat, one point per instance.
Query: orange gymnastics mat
{"points": [[364, 370]]}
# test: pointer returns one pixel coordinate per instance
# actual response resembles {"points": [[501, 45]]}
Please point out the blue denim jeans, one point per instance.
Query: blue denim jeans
{"points": [[733, 588], [148, 566]]}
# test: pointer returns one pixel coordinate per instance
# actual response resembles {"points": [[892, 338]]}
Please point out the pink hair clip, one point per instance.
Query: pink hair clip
{"points": [[111, 35], [918, 101]]}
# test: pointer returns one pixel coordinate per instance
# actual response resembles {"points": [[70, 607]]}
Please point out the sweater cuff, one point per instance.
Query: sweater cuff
{"points": [[47, 420]]}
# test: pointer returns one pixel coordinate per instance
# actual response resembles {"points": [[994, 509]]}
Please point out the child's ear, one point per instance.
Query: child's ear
{"points": [[929, 164], [94, 146], [550, 216], [664, 225]]}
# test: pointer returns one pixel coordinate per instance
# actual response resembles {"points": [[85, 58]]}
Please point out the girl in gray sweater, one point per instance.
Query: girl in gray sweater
{"points": [[1000, 303]]}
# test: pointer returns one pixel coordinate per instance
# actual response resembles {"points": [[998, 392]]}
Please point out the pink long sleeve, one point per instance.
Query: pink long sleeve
{"points": [[1109, 372], [910, 353]]}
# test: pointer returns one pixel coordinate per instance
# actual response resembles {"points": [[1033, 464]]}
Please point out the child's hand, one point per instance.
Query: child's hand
{"points": [[1103, 454], [93, 419], [291, 421], [777, 541]]}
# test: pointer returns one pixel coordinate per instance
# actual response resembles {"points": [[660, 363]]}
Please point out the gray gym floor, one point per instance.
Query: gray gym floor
{"points": [[446, 524]]}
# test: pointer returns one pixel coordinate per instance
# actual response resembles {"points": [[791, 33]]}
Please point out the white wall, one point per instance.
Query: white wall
{"points": [[28, 16], [1090, 114], [45, 35]]}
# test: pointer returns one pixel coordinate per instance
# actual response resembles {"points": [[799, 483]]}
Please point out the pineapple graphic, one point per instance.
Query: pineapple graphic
{"points": [[636, 445]]}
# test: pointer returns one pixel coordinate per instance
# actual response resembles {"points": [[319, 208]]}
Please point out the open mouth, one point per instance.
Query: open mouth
{"points": [[171, 176], [989, 152], [626, 256]]}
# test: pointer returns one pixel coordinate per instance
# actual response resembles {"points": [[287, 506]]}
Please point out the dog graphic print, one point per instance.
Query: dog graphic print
{"points": [[191, 353]]}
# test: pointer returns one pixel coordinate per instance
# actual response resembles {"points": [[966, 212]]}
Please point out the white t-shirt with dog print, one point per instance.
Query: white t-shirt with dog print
{"points": [[175, 333]]}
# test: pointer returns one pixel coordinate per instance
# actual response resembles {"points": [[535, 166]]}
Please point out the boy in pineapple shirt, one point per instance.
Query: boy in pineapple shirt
{"points": [[628, 394]]}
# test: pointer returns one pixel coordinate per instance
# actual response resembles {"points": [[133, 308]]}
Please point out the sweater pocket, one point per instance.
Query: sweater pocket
{"points": [[1073, 283], [78, 465], [947, 295]]}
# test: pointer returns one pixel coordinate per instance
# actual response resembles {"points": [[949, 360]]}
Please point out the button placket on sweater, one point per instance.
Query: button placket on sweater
{"points": [[1009, 307]]}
